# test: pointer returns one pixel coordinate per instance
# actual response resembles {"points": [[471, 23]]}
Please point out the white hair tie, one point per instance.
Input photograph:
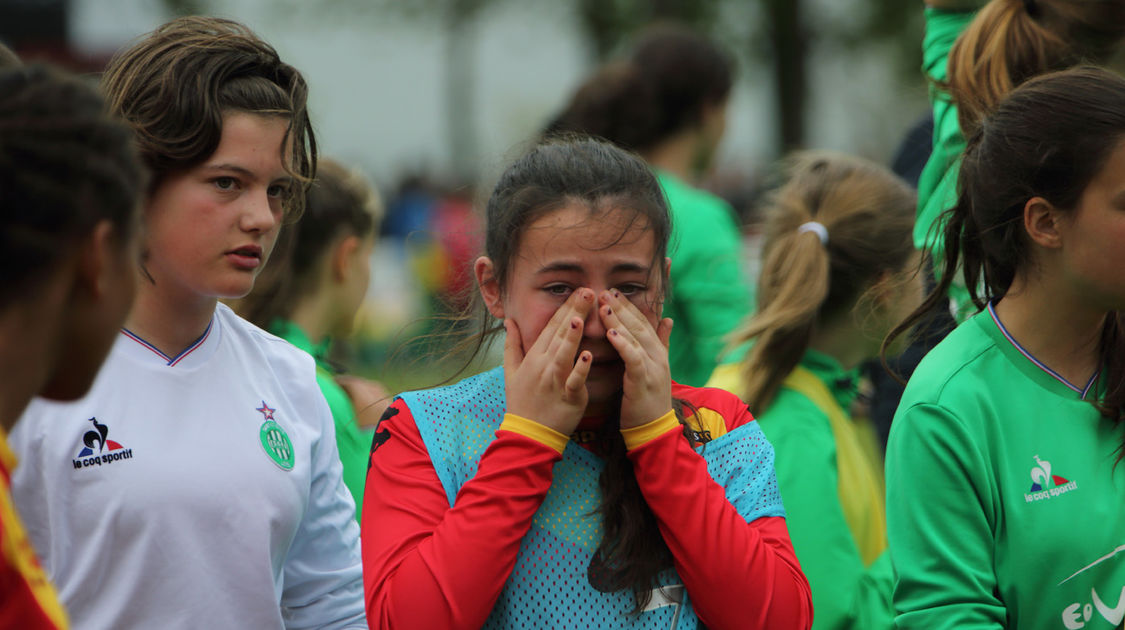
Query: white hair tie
{"points": [[816, 228]]}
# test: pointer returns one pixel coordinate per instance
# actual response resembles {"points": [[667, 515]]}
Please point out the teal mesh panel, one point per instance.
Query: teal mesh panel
{"points": [[548, 587]]}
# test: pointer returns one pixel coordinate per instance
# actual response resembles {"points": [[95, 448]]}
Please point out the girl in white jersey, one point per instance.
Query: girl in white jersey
{"points": [[1004, 484], [197, 485]]}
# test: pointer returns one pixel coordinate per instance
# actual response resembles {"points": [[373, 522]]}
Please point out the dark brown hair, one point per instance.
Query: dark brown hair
{"points": [[868, 213], [175, 84], [1005, 45], [1048, 139], [662, 88], [339, 203], [65, 165]]}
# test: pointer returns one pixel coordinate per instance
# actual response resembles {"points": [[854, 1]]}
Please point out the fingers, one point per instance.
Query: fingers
{"points": [[513, 346], [559, 328], [664, 331], [576, 381]]}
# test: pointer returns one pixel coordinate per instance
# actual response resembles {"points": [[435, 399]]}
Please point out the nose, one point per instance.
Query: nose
{"points": [[259, 215], [593, 327]]}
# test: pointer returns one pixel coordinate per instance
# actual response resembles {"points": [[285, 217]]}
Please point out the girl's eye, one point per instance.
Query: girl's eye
{"points": [[631, 289], [224, 183], [277, 191], [558, 290]]}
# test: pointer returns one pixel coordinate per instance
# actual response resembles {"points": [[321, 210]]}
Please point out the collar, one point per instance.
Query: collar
{"points": [[1027, 362], [842, 384], [292, 333], [194, 355]]}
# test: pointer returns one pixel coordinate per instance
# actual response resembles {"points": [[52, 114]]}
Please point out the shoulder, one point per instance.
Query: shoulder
{"points": [[711, 402], [956, 365], [792, 414], [688, 202], [276, 350]]}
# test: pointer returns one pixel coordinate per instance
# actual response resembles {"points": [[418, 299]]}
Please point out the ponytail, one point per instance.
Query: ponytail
{"points": [[834, 227], [1010, 41]]}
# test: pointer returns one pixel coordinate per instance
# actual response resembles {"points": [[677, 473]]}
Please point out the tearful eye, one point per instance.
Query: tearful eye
{"points": [[277, 191], [631, 289], [224, 183], [558, 290]]}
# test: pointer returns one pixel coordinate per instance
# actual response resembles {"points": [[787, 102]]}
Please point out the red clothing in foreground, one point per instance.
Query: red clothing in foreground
{"points": [[426, 565], [27, 599]]}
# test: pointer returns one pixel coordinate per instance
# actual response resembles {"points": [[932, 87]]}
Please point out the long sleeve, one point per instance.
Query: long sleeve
{"points": [[323, 584], [721, 557], [940, 519], [846, 594], [429, 565]]}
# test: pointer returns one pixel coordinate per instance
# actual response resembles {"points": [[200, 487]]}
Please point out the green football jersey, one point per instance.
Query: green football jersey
{"points": [[1005, 506]]}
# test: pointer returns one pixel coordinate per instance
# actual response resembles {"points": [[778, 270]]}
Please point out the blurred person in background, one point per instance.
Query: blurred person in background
{"points": [[838, 271], [70, 186], [667, 101], [309, 296]]}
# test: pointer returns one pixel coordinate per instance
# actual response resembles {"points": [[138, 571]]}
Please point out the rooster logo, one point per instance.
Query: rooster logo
{"points": [[98, 436], [1041, 476]]}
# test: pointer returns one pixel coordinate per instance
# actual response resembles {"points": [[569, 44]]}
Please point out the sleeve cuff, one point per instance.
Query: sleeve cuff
{"points": [[638, 436], [535, 431]]}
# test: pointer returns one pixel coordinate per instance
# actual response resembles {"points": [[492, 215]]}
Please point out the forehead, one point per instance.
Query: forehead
{"points": [[577, 231]]}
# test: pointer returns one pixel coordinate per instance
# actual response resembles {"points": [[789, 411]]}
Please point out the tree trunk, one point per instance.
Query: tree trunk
{"points": [[789, 47]]}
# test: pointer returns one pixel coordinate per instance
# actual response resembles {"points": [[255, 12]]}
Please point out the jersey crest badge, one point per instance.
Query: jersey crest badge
{"points": [[98, 449], [1045, 484], [275, 441]]}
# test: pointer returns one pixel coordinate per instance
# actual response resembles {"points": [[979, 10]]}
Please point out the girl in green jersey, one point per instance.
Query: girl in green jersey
{"points": [[838, 271], [1004, 491]]}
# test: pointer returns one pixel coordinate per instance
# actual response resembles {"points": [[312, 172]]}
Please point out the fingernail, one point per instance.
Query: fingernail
{"points": [[613, 331], [573, 325], [586, 358], [608, 311], [616, 293]]}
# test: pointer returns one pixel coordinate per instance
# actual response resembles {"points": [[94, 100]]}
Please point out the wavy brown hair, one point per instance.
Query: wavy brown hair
{"points": [[1048, 139], [1010, 41], [174, 85], [868, 213]]}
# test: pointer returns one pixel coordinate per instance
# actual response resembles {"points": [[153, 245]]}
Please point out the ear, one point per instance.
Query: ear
{"points": [[96, 253], [343, 257], [1042, 221], [489, 286]]}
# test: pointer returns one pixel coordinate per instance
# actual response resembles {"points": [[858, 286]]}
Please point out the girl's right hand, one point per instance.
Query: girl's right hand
{"points": [[545, 383]]}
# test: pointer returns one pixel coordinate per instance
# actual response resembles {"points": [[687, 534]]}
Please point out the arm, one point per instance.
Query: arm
{"points": [[846, 593], [322, 577], [721, 557], [427, 565], [940, 522]]}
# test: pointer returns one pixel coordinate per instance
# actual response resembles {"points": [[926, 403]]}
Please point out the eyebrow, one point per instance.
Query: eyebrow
{"points": [[577, 268], [242, 171]]}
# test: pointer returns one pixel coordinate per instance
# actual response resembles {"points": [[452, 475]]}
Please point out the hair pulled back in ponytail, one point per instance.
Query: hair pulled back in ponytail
{"points": [[1048, 139], [662, 88], [1006, 45], [868, 214]]}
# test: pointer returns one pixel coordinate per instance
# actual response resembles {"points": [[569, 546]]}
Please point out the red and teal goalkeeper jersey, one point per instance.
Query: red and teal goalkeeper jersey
{"points": [[430, 565]]}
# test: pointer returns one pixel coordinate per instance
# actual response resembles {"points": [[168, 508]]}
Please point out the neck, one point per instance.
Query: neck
{"points": [[30, 345], [168, 324], [1053, 323], [676, 155], [844, 341], [313, 316]]}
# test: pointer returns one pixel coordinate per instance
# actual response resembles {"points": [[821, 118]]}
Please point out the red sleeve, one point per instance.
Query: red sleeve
{"points": [[426, 565], [721, 558]]}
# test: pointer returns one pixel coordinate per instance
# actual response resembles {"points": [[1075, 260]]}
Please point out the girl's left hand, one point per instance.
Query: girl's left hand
{"points": [[644, 350]]}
